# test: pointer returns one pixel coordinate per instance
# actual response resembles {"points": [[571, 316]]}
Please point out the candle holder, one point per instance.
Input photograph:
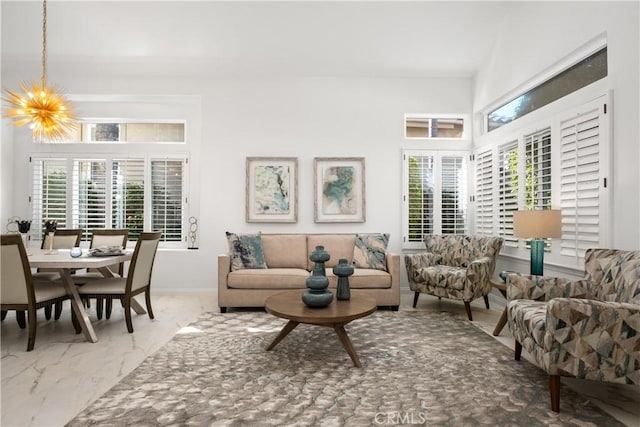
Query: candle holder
{"points": [[51, 227]]}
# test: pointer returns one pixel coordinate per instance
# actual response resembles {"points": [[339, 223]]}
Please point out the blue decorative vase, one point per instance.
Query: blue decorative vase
{"points": [[318, 296], [343, 270]]}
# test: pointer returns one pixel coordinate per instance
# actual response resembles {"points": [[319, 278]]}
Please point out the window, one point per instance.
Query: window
{"points": [[138, 193], [579, 75], [562, 162], [427, 126], [120, 131], [435, 199]]}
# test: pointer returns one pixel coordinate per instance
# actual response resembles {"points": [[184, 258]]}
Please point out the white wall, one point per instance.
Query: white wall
{"points": [[304, 118], [543, 33]]}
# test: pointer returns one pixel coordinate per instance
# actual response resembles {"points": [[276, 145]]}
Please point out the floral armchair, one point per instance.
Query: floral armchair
{"points": [[454, 266], [587, 328]]}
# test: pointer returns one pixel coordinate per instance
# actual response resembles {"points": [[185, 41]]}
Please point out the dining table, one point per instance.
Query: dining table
{"points": [[61, 261]]}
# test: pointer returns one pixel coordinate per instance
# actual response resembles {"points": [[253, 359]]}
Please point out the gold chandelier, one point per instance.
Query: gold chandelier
{"points": [[46, 110]]}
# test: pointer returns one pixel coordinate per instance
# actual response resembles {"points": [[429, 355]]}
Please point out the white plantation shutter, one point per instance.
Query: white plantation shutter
{"points": [[420, 196], [507, 190], [89, 195], [582, 174], [166, 198], [453, 195], [484, 193], [49, 194], [435, 196], [127, 195], [538, 170]]}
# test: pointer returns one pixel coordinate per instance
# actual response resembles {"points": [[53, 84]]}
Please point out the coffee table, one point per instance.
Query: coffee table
{"points": [[288, 305]]}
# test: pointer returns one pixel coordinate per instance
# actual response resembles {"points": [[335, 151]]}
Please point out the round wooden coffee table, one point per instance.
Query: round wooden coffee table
{"points": [[288, 305]]}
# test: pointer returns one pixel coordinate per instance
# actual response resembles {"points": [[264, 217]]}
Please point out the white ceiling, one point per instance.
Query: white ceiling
{"points": [[199, 38]]}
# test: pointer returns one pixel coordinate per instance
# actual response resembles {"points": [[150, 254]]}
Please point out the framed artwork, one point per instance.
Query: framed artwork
{"points": [[339, 189], [272, 189]]}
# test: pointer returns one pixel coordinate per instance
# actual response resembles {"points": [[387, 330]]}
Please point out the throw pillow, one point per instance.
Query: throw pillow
{"points": [[370, 251], [246, 251]]}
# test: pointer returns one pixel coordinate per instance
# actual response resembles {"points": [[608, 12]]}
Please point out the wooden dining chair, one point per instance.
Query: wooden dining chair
{"points": [[137, 281], [18, 290], [63, 238], [104, 237]]}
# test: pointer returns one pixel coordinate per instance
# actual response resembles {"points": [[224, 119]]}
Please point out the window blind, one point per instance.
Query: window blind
{"points": [[453, 195], [507, 190], [127, 195], [166, 198], [580, 181], [49, 194], [89, 195], [420, 197], [484, 193], [538, 170]]}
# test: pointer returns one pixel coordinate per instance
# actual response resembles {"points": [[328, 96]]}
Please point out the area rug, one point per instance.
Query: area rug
{"points": [[419, 368]]}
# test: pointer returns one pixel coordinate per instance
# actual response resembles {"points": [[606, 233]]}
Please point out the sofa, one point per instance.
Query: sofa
{"points": [[454, 266], [587, 329], [259, 265]]}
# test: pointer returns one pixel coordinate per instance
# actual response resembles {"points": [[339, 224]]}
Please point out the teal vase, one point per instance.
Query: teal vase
{"points": [[318, 296], [343, 270]]}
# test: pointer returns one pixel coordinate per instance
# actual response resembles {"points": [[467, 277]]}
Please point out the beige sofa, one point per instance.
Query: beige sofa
{"points": [[288, 266]]}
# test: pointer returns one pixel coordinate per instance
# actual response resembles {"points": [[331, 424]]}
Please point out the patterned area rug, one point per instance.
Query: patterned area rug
{"points": [[419, 368]]}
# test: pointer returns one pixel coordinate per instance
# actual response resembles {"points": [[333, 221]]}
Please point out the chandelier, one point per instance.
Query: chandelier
{"points": [[46, 110]]}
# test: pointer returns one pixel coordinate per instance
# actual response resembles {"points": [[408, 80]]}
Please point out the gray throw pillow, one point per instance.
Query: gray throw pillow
{"points": [[246, 251], [370, 251]]}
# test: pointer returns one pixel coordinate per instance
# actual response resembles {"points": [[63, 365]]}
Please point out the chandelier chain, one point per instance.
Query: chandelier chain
{"points": [[44, 43]]}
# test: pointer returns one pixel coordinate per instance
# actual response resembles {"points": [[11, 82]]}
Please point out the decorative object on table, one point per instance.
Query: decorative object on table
{"points": [[42, 107], [51, 226], [272, 189], [537, 225], [75, 252], [339, 191], [343, 270], [193, 232], [17, 225], [318, 296]]}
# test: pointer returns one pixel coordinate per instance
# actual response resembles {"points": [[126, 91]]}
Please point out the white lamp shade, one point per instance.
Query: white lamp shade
{"points": [[537, 224]]}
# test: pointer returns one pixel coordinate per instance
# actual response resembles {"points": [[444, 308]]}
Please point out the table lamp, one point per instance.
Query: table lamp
{"points": [[537, 225]]}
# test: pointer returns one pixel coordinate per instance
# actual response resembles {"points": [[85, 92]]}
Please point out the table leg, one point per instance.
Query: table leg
{"points": [[135, 305], [290, 326], [347, 344], [76, 306]]}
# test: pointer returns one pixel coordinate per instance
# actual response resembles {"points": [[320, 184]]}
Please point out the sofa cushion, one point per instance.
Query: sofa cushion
{"points": [[338, 245], [246, 251], [363, 278], [271, 278], [530, 316], [370, 251], [285, 250]]}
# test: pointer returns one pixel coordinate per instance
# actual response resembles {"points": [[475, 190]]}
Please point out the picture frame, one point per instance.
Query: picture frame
{"points": [[271, 189], [339, 189]]}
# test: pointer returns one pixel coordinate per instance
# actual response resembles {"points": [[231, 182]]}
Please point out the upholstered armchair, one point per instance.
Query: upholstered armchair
{"points": [[589, 328], [454, 266]]}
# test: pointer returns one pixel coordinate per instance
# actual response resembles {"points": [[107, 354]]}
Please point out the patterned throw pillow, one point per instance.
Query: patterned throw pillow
{"points": [[246, 251], [370, 251]]}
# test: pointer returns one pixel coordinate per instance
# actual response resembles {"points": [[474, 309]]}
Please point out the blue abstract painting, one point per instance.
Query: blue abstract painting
{"points": [[338, 197], [272, 189]]}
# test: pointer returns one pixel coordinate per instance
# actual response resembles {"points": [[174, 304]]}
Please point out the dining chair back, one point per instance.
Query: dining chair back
{"points": [[63, 238], [138, 278], [110, 237], [18, 291]]}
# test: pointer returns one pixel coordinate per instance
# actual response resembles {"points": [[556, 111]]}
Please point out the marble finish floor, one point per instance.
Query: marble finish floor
{"points": [[64, 374]]}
